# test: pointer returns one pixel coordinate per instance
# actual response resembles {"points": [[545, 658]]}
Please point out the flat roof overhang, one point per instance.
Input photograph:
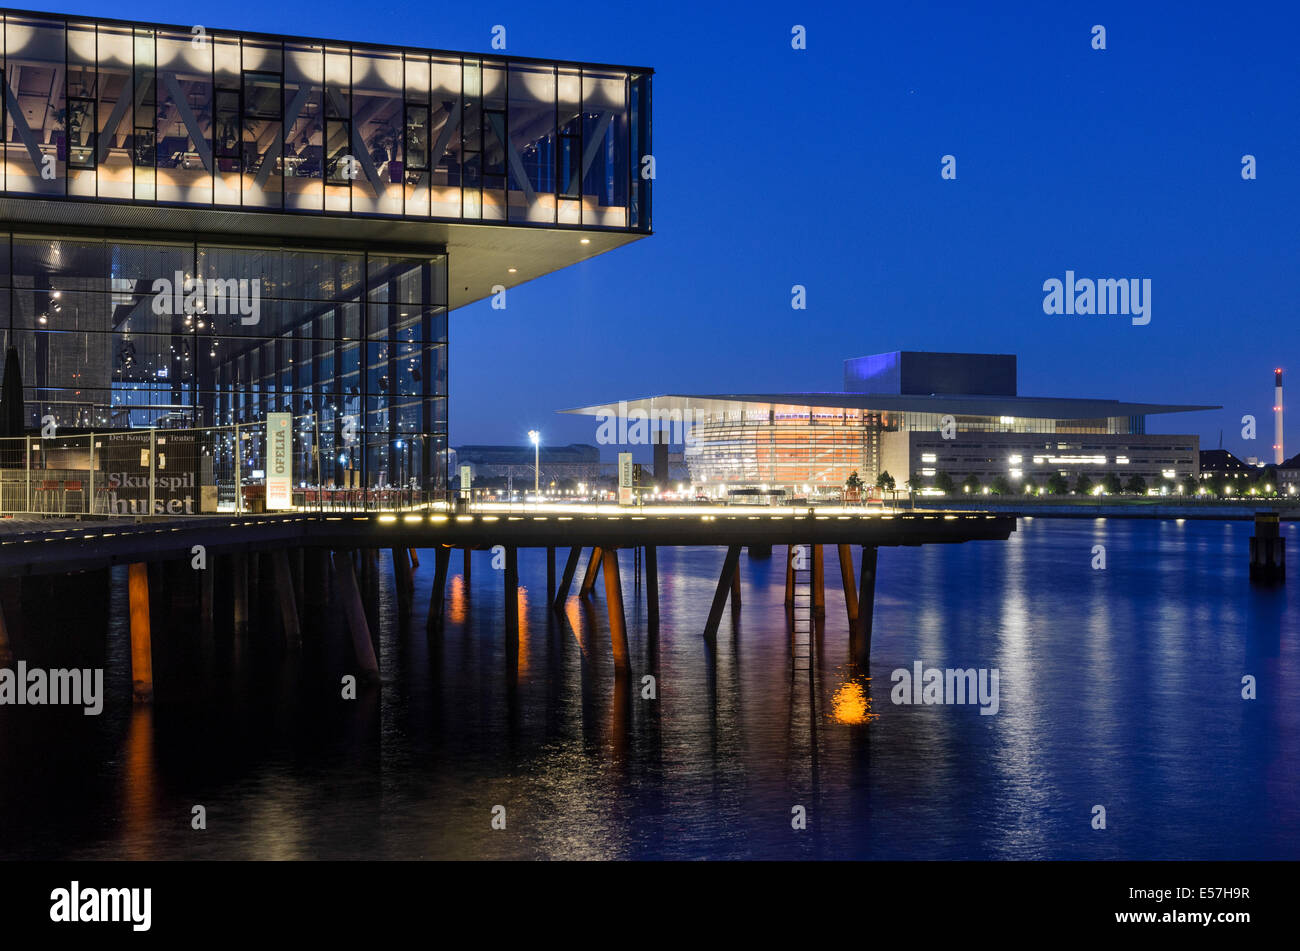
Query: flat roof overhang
{"points": [[1025, 407], [480, 255]]}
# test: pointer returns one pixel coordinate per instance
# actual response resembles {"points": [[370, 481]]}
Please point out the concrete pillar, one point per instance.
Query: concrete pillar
{"points": [[141, 639], [614, 605]]}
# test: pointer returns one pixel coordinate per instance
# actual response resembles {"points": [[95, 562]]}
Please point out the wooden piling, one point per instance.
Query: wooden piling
{"points": [[286, 597], [141, 639], [550, 573], [468, 563], [819, 582], [866, 607], [652, 588], [589, 580], [729, 565], [850, 588], [512, 602], [614, 606], [355, 610], [402, 581], [566, 579], [415, 558], [6, 649], [437, 597], [239, 581], [735, 588], [789, 574]]}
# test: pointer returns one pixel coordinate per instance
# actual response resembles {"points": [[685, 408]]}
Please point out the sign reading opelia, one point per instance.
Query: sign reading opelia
{"points": [[279, 464]]}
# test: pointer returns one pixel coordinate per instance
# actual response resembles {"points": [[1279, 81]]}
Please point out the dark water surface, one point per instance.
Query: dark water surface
{"points": [[1119, 687]]}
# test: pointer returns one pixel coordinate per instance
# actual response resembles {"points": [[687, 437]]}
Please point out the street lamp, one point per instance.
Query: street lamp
{"points": [[536, 437]]}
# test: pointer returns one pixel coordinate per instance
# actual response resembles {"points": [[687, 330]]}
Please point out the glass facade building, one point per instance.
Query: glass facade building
{"points": [[123, 112], [201, 227]]}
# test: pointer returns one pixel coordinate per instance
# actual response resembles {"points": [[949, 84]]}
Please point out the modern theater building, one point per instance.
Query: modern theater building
{"points": [[914, 415], [200, 227]]}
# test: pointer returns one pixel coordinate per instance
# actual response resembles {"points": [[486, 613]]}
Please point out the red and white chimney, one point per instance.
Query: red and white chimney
{"points": [[1277, 416]]}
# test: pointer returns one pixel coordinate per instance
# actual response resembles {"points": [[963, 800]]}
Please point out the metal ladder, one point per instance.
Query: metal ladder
{"points": [[801, 628]]}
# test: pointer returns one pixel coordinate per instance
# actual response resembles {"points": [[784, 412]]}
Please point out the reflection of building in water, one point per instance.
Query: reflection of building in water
{"points": [[915, 415]]}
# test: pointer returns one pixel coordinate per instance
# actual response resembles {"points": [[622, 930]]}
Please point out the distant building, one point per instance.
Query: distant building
{"points": [[578, 461], [915, 415], [1220, 462], [1288, 476]]}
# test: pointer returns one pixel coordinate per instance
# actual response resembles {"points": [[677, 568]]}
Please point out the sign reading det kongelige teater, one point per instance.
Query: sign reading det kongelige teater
{"points": [[279, 463]]}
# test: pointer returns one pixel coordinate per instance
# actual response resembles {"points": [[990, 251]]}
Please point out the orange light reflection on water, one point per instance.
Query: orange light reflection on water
{"points": [[852, 702]]}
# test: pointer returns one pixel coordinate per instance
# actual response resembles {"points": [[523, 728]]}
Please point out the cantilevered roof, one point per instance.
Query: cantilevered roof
{"points": [[1035, 407]]}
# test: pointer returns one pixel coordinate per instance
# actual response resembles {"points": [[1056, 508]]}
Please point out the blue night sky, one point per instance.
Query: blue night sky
{"points": [[822, 168]]}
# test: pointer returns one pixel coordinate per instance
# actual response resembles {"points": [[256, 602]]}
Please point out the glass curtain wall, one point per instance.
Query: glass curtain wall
{"points": [[100, 110], [116, 334]]}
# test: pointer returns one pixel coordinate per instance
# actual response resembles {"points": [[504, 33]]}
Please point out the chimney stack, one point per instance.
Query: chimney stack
{"points": [[1277, 416]]}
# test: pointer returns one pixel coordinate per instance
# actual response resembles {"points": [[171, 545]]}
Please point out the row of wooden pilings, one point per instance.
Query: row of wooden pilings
{"points": [[314, 572]]}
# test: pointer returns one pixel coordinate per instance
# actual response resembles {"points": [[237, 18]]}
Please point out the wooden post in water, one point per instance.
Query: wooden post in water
{"points": [[468, 551], [403, 581], [239, 569], [735, 587], [819, 582], [141, 639], [789, 574], [550, 573], [415, 558], [6, 650], [652, 588], [614, 605], [566, 580], [866, 608], [850, 588], [589, 580], [355, 610], [729, 565], [441, 562], [512, 602], [284, 594]]}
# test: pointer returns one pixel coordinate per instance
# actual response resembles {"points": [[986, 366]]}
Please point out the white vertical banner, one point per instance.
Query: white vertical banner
{"points": [[625, 478], [279, 461]]}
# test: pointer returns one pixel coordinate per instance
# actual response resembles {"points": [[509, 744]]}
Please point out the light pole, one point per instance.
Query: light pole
{"points": [[536, 437]]}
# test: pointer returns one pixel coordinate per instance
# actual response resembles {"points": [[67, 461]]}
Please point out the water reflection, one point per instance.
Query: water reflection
{"points": [[1119, 686]]}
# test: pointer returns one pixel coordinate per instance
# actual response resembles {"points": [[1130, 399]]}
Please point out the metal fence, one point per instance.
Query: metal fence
{"points": [[212, 470]]}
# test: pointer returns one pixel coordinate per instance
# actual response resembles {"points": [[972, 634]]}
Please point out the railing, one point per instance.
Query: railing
{"points": [[209, 470]]}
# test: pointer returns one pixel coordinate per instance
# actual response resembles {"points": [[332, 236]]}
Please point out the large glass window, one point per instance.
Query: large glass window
{"points": [[117, 334]]}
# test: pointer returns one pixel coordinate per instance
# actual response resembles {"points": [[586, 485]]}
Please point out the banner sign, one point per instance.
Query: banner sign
{"points": [[279, 461]]}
